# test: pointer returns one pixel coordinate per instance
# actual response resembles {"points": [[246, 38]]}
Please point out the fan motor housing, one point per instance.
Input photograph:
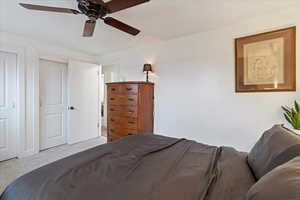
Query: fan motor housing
{"points": [[93, 11]]}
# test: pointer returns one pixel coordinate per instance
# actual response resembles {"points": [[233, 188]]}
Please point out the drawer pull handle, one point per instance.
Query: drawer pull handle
{"points": [[113, 89], [112, 99], [112, 120], [112, 109], [131, 122], [129, 89], [130, 99], [131, 111], [111, 130]]}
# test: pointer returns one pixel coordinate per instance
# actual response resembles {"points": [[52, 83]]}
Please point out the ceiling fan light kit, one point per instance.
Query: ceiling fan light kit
{"points": [[94, 10]]}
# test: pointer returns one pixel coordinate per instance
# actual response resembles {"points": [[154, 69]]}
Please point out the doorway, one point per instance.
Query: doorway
{"points": [[102, 103], [8, 107], [69, 102], [84, 96]]}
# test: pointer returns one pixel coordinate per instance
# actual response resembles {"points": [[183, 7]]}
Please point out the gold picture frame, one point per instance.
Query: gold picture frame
{"points": [[266, 62]]}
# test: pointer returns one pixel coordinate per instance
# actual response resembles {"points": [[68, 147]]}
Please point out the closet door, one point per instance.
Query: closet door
{"points": [[53, 104], [8, 98]]}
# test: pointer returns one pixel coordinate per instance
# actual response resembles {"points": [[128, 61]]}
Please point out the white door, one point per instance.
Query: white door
{"points": [[53, 104], [8, 99], [83, 101]]}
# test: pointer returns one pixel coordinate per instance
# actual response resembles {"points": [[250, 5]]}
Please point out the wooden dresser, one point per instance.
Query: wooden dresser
{"points": [[129, 109]]}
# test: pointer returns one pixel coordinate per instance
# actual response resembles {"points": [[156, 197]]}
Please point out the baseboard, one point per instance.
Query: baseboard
{"points": [[27, 153], [83, 140]]}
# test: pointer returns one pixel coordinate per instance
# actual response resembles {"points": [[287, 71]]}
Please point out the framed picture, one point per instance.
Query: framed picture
{"points": [[266, 62]]}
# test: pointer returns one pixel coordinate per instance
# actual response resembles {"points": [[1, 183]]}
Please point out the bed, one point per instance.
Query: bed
{"points": [[141, 167]]}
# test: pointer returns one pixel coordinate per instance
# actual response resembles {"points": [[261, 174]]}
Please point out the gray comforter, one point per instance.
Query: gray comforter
{"points": [[141, 167]]}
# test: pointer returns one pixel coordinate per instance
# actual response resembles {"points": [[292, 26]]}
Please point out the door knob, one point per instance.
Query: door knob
{"points": [[13, 105], [71, 108]]}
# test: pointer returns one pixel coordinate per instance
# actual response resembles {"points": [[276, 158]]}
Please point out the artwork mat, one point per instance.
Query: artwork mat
{"points": [[285, 77]]}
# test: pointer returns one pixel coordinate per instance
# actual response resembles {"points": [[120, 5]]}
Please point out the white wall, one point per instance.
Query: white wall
{"points": [[195, 87], [32, 51]]}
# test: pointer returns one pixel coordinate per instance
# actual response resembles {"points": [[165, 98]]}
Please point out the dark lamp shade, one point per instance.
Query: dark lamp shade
{"points": [[147, 68]]}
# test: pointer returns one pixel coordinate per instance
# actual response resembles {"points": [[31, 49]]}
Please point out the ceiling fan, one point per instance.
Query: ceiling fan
{"points": [[94, 10]]}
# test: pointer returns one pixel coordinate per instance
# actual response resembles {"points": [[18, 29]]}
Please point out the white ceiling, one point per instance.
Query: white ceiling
{"points": [[158, 20]]}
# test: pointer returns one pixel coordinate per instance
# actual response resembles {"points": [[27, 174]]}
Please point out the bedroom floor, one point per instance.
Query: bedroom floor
{"points": [[12, 169]]}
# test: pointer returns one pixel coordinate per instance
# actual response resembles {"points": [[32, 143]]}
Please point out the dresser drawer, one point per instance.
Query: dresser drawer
{"points": [[128, 100], [129, 89], [114, 110], [128, 123], [113, 99], [114, 121], [122, 122], [113, 89], [130, 111], [117, 133], [124, 111], [115, 136], [123, 99]]}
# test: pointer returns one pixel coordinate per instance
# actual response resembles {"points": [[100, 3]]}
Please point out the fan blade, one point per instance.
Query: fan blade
{"points": [[117, 5], [121, 26], [89, 28], [50, 9]]}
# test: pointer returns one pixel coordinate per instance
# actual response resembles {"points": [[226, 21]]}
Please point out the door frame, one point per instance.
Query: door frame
{"points": [[66, 96], [99, 100], [21, 99]]}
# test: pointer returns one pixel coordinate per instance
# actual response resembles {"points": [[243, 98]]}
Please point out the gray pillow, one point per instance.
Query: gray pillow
{"points": [[282, 183], [277, 146]]}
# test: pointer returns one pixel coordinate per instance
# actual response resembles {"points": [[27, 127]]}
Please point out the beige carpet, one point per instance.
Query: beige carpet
{"points": [[12, 169]]}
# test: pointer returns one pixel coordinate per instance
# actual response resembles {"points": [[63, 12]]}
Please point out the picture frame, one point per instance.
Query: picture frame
{"points": [[266, 62]]}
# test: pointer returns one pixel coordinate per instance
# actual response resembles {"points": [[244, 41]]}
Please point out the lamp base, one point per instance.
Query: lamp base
{"points": [[147, 77]]}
